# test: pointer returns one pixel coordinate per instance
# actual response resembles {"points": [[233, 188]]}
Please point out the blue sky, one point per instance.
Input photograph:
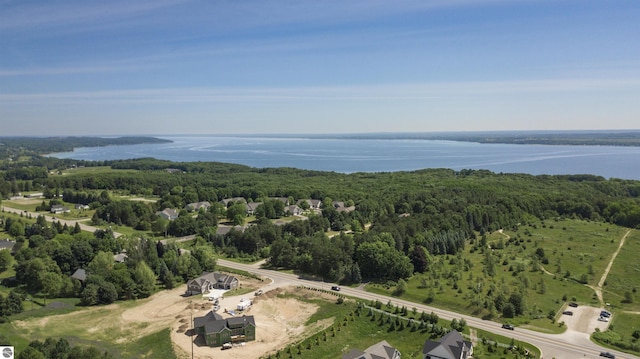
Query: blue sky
{"points": [[322, 66]]}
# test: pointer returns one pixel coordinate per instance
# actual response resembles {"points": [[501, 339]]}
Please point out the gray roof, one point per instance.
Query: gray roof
{"points": [[223, 230], [452, 342], [214, 323], [209, 317], [6, 244], [80, 274], [380, 350]]}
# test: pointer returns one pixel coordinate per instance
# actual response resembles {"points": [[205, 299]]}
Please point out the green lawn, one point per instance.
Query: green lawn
{"points": [[355, 328]]}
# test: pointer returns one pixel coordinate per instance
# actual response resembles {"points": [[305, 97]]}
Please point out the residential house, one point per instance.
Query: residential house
{"points": [[120, 257], [313, 203], [81, 207], [294, 210], [223, 230], [284, 200], [450, 346], [80, 274], [228, 201], [381, 350], [197, 205], [168, 213], [340, 207], [6, 244], [58, 208], [252, 207], [208, 281], [218, 331]]}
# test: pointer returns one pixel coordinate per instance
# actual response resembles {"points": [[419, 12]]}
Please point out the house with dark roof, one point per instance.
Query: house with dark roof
{"points": [[209, 281], [450, 346], [6, 244], [223, 230], [381, 350], [217, 331]]}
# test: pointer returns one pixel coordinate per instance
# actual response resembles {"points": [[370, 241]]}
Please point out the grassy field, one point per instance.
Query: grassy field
{"points": [[95, 326], [575, 251], [625, 276], [355, 328]]}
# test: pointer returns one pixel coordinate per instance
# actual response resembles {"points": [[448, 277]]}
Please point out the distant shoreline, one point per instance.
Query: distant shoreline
{"points": [[559, 138]]}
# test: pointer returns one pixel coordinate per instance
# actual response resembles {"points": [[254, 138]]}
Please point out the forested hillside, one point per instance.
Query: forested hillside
{"points": [[400, 220]]}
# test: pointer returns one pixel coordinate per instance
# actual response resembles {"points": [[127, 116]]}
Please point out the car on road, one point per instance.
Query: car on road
{"points": [[336, 288], [226, 346], [259, 292], [508, 326], [607, 355], [567, 312]]}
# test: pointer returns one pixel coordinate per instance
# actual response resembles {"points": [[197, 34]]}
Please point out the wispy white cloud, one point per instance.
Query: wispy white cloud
{"points": [[21, 15], [433, 91]]}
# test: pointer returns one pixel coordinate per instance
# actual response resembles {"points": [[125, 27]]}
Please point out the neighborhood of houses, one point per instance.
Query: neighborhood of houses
{"points": [[214, 330]]}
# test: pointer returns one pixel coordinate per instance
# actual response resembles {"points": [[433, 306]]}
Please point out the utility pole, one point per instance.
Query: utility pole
{"points": [[193, 330]]}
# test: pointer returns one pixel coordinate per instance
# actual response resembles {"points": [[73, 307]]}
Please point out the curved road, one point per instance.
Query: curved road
{"points": [[52, 218], [560, 346]]}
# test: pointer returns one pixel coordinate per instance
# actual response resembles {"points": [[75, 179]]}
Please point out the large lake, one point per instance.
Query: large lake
{"points": [[380, 155]]}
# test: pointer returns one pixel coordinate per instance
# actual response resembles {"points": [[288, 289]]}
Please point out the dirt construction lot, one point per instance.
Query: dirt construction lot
{"points": [[279, 321]]}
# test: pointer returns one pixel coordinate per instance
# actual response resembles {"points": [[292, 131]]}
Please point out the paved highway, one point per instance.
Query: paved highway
{"points": [[560, 346]]}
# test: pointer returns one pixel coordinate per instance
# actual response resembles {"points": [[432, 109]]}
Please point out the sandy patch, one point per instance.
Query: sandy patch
{"points": [[279, 321]]}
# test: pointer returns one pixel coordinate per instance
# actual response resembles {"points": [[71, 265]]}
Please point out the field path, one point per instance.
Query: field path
{"points": [[598, 289]]}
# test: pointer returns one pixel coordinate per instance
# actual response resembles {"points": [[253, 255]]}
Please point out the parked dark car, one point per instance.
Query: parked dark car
{"points": [[336, 288], [573, 304], [607, 355], [567, 312], [605, 314], [508, 326]]}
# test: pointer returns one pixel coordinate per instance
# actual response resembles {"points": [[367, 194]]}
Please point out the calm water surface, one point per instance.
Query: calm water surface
{"points": [[380, 155]]}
